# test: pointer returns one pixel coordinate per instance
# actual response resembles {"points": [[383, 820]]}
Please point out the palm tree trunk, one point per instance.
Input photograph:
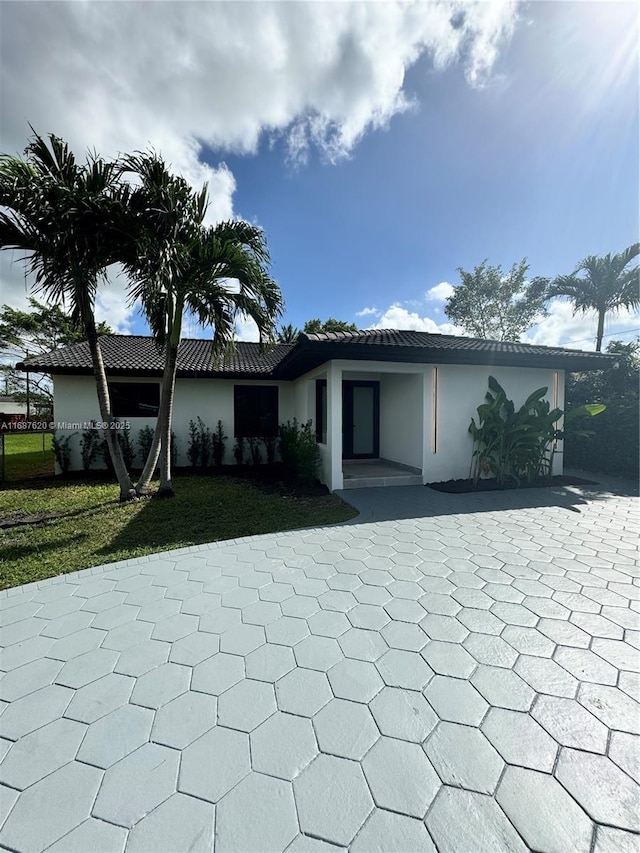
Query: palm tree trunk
{"points": [[127, 491], [164, 425], [600, 332]]}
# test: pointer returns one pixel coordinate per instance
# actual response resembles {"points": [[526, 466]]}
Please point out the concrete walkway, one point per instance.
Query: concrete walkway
{"points": [[451, 673]]}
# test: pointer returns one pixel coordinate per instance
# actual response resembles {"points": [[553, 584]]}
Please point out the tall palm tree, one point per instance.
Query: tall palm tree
{"points": [[608, 285], [67, 218], [288, 334], [215, 273]]}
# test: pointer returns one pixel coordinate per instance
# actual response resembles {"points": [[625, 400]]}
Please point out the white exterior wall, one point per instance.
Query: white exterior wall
{"points": [[401, 420], [461, 389], [76, 403], [406, 410]]}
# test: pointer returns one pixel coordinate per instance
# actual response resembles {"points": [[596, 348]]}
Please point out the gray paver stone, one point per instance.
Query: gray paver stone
{"points": [[127, 635], [364, 645], [387, 832], [247, 704], [464, 820], [520, 739], [503, 688], [319, 653], [94, 835], [462, 756], [34, 710], [403, 714], [303, 692], [137, 784], [283, 745], [356, 680], [273, 823], [614, 708], [448, 659], [269, 662], [40, 753], [161, 685], [543, 812], [184, 719], [99, 698], [287, 631], [624, 750], [345, 729], [400, 777], [570, 724], [116, 735], [28, 678], [51, 808], [546, 676], [180, 823], [211, 779], [399, 668], [605, 792], [332, 798], [456, 700], [142, 658], [610, 840], [87, 668]]}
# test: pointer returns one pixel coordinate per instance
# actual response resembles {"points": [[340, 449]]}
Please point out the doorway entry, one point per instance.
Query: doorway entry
{"points": [[360, 419]]}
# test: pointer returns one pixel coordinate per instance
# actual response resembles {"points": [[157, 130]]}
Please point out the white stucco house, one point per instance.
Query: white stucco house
{"points": [[397, 401]]}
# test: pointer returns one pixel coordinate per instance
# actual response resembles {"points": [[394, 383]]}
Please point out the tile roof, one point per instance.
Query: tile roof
{"points": [[129, 355], [135, 354]]}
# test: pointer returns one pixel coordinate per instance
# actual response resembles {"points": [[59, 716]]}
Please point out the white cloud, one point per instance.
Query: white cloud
{"points": [[440, 292], [367, 312], [246, 329], [187, 76], [578, 331], [397, 317]]}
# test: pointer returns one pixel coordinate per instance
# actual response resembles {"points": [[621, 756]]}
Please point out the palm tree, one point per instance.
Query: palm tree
{"points": [[288, 334], [215, 273], [67, 218], [609, 285]]}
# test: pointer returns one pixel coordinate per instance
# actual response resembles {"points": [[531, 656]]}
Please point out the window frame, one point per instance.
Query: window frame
{"points": [[128, 405]]}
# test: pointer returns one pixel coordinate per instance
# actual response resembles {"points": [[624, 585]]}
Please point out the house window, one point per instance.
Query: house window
{"points": [[255, 410], [135, 399], [321, 411]]}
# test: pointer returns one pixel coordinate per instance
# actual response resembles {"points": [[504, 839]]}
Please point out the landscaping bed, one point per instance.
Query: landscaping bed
{"points": [[461, 487]]}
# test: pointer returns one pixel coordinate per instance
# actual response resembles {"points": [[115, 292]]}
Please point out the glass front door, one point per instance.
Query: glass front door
{"points": [[360, 420]]}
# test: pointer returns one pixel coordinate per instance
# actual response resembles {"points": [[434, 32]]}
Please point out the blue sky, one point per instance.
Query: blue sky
{"points": [[523, 143]]}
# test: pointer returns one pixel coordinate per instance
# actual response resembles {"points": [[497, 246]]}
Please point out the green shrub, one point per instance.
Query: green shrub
{"points": [[238, 450], [513, 446], [89, 447], [145, 440], [195, 444], [270, 444], [612, 444], [255, 451], [218, 440], [201, 444], [299, 450], [62, 450], [127, 445]]}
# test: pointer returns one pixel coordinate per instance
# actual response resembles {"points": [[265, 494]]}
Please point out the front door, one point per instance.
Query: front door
{"points": [[360, 420]]}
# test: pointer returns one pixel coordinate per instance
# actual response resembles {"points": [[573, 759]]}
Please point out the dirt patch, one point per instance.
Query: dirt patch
{"points": [[460, 487], [22, 519]]}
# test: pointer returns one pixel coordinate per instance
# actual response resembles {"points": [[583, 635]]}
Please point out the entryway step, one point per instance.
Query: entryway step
{"points": [[372, 482]]}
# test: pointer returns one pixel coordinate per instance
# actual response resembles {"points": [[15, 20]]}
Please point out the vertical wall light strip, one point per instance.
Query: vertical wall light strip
{"points": [[556, 397], [434, 411]]}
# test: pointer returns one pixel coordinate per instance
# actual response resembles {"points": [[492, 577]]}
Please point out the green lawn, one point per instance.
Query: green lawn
{"points": [[50, 527], [24, 456]]}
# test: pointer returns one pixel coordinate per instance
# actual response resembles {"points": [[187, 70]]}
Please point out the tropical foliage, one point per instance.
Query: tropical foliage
{"points": [[517, 445], [68, 219], [316, 326], [299, 450], [497, 306], [612, 444], [609, 283]]}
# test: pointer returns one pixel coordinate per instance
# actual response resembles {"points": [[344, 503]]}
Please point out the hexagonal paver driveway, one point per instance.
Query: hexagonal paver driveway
{"points": [[459, 674]]}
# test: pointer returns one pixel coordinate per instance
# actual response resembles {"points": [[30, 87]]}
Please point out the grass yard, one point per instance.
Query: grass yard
{"points": [[24, 456], [50, 527]]}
